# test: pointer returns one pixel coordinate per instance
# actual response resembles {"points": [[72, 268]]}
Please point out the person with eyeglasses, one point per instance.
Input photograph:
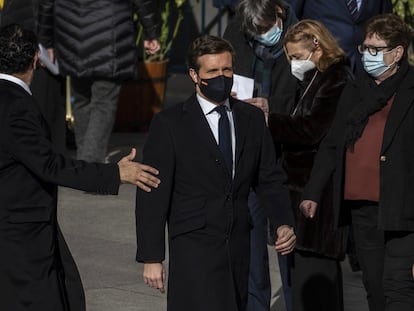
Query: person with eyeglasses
{"points": [[369, 152]]}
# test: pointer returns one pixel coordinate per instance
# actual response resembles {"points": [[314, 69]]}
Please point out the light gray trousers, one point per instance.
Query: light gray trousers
{"points": [[94, 110]]}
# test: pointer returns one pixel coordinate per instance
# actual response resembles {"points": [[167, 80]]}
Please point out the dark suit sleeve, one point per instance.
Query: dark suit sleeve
{"points": [[310, 128], [46, 23], [271, 185], [325, 160], [148, 17], [152, 208], [28, 141]]}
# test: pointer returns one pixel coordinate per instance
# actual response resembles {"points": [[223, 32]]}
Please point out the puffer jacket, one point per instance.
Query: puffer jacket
{"points": [[300, 134], [94, 38], [23, 11]]}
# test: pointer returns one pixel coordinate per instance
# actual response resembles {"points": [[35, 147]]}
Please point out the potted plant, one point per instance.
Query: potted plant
{"points": [[405, 9], [153, 69], [139, 100]]}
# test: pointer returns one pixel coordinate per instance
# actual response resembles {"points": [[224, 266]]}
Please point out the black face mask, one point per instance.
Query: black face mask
{"points": [[217, 89]]}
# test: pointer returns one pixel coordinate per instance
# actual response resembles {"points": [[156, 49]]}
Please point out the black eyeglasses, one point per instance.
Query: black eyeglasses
{"points": [[373, 50]]}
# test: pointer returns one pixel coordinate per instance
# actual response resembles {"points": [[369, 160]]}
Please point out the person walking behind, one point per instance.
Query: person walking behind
{"points": [[369, 152], [322, 70], [94, 42], [256, 33]]}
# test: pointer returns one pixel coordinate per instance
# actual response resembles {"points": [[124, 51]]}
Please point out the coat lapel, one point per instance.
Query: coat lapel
{"points": [[241, 126], [402, 102]]}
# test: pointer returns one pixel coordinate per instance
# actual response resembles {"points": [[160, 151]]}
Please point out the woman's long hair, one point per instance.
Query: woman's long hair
{"points": [[313, 34]]}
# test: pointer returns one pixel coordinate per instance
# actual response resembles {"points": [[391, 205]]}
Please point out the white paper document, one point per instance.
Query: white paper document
{"points": [[44, 58], [243, 86]]}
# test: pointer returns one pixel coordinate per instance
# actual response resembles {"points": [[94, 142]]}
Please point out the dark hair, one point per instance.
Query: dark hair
{"points": [[207, 45], [18, 47], [390, 28], [258, 16]]}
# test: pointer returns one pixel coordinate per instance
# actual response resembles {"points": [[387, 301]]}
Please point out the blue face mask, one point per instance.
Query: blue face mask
{"points": [[375, 65], [271, 37]]}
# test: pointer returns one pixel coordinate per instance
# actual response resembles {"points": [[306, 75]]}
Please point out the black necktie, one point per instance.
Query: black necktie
{"points": [[353, 8], [225, 137]]}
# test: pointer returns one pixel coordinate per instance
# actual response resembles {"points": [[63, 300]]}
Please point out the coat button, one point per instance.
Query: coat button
{"points": [[383, 158]]}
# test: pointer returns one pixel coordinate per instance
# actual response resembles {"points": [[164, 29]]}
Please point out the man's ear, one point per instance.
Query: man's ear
{"points": [[35, 60], [399, 53], [193, 74]]}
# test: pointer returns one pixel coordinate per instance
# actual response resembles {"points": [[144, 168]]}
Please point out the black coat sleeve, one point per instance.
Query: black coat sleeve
{"points": [[46, 23], [326, 157], [148, 17], [309, 127], [152, 208], [28, 143], [271, 185]]}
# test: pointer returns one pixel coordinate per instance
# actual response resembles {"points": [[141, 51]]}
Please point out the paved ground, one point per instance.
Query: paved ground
{"points": [[100, 231]]}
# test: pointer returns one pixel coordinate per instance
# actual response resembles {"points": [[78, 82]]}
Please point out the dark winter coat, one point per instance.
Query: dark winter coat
{"points": [[37, 270], [206, 210], [300, 134], [396, 164], [48, 89], [94, 38]]}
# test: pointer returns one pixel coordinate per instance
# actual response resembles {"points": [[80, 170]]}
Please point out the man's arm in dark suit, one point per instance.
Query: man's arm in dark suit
{"points": [[152, 209], [25, 137], [273, 193], [27, 140]]}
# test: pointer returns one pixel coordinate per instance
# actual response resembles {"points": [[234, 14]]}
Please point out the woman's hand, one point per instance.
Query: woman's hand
{"points": [[261, 103]]}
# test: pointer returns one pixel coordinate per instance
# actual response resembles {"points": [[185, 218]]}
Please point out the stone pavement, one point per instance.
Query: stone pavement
{"points": [[100, 231]]}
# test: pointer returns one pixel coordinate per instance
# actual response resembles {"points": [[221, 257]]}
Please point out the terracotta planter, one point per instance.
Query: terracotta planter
{"points": [[140, 99]]}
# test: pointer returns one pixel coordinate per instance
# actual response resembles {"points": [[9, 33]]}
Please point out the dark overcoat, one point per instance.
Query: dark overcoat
{"points": [[396, 164], [206, 211], [37, 271], [300, 134]]}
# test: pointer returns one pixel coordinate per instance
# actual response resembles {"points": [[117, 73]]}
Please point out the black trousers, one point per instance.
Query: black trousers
{"points": [[386, 259]]}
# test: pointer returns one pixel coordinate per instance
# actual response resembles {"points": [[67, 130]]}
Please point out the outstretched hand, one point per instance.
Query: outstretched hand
{"points": [[137, 173]]}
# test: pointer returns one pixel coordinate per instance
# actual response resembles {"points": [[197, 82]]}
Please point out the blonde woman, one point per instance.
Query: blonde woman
{"points": [[322, 70]]}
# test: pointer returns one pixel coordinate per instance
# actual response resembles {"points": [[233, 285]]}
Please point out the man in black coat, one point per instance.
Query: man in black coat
{"points": [[204, 189], [37, 271], [48, 89]]}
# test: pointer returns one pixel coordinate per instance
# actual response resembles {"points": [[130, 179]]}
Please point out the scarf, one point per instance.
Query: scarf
{"points": [[373, 98]]}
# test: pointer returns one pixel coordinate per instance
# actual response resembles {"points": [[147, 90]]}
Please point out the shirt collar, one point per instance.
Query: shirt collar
{"points": [[209, 107], [16, 81]]}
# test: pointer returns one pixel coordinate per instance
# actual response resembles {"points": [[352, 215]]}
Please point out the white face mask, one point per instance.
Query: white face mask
{"points": [[300, 66]]}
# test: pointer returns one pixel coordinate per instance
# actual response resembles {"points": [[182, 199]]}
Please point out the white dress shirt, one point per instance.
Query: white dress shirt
{"points": [[213, 117], [16, 81]]}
